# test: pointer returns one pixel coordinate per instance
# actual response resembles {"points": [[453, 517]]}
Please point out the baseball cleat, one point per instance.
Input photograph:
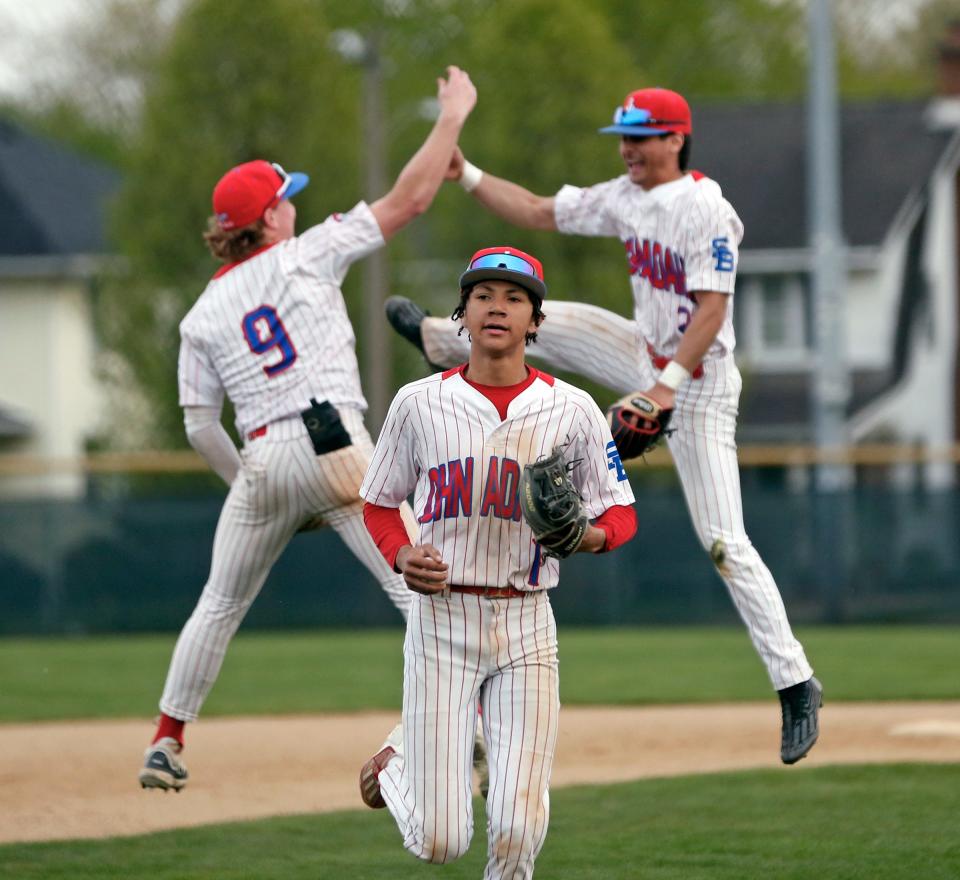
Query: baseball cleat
{"points": [[405, 316], [162, 768], [370, 772], [800, 706]]}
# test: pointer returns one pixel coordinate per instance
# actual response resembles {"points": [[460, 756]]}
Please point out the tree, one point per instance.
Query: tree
{"points": [[229, 88], [752, 49], [535, 122], [891, 55], [177, 92]]}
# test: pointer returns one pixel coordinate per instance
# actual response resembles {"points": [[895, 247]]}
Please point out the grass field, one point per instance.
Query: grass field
{"points": [[295, 672], [850, 823], [836, 823]]}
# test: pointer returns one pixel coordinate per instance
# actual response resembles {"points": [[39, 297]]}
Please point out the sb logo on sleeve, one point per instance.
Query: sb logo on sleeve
{"points": [[614, 463], [722, 254]]}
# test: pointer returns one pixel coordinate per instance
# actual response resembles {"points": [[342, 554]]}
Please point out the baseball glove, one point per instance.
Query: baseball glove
{"points": [[637, 424], [552, 507]]}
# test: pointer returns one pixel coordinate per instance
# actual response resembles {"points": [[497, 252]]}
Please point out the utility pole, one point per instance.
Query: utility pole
{"points": [[376, 340], [830, 385], [831, 381], [366, 52]]}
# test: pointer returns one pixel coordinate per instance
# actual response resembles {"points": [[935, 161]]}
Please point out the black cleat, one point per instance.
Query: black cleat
{"points": [[405, 316], [800, 705]]}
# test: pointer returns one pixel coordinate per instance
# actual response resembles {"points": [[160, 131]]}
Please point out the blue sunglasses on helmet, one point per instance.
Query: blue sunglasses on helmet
{"points": [[504, 261], [504, 265]]}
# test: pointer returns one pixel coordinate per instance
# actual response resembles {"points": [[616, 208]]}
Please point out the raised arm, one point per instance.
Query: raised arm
{"points": [[508, 200], [421, 177]]}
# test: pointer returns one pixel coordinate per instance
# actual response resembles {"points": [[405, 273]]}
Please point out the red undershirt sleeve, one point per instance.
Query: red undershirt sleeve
{"points": [[387, 530], [620, 525]]}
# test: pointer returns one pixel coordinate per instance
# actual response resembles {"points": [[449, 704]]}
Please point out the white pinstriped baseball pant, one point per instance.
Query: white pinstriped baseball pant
{"points": [[603, 346], [282, 486], [458, 648]]}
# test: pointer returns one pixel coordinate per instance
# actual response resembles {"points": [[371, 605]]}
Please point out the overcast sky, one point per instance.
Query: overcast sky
{"points": [[29, 32]]}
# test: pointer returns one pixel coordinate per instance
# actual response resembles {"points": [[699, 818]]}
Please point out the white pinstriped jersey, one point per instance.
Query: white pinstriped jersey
{"points": [[680, 237], [273, 331], [444, 440]]}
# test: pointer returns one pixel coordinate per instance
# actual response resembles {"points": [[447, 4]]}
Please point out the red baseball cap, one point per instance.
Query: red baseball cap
{"points": [[648, 112], [506, 264], [246, 191]]}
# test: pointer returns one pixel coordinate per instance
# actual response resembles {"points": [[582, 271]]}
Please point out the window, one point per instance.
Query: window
{"points": [[772, 319]]}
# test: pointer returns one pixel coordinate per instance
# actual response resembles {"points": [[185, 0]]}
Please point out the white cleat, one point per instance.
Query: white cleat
{"points": [[370, 772], [162, 767]]}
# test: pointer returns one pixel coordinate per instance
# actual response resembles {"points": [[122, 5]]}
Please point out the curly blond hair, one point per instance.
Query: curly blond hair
{"points": [[231, 245]]}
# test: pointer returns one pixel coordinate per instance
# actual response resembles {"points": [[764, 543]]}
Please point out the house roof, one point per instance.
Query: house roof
{"points": [[756, 152], [53, 201], [776, 407], [13, 424]]}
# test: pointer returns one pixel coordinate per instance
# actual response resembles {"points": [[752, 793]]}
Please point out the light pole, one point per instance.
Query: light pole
{"points": [[831, 381], [830, 385], [366, 52]]}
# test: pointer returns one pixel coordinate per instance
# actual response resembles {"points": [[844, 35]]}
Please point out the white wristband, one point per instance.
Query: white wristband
{"points": [[674, 375], [470, 177]]}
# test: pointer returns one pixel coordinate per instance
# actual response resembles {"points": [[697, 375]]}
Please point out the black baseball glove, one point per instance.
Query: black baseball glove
{"points": [[637, 424], [552, 507]]}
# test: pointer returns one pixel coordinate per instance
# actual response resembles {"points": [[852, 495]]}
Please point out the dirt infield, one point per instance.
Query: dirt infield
{"points": [[78, 779]]}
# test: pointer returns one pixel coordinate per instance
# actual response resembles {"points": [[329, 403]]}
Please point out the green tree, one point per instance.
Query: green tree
{"points": [[177, 93], [229, 88], [535, 122], [751, 49], [880, 58]]}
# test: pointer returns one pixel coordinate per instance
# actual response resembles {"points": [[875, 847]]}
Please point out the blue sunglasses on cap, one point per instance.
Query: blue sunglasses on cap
{"points": [[290, 183], [639, 116], [504, 261]]}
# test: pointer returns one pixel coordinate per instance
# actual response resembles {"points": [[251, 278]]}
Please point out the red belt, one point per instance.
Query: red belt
{"points": [[659, 361], [257, 432], [492, 592]]}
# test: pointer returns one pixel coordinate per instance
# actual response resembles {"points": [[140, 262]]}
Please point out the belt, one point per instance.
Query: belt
{"points": [[257, 432], [492, 592], [660, 361]]}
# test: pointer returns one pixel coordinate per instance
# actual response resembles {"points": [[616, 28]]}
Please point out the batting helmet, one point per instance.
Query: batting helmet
{"points": [[506, 264]]}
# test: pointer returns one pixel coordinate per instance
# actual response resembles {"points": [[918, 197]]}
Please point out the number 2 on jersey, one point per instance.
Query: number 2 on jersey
{"points": [[264, 331]]}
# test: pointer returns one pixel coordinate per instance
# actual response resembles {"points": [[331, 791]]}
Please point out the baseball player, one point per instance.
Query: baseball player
{"points": [[271, 332], [480, 625], [682, 242]]}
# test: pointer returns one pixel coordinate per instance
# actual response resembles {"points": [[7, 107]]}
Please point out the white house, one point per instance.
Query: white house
{"points": [[52, 239], [900, 202]]}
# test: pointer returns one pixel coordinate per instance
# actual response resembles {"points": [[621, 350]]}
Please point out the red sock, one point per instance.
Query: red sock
{"points": [[170, 727]]}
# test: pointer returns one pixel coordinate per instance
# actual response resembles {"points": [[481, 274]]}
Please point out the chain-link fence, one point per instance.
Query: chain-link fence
{"points": [[132, 554]]}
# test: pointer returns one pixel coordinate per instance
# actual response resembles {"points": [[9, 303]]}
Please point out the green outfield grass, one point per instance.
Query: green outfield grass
{"points": [[835, 823], [335, 670]]}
